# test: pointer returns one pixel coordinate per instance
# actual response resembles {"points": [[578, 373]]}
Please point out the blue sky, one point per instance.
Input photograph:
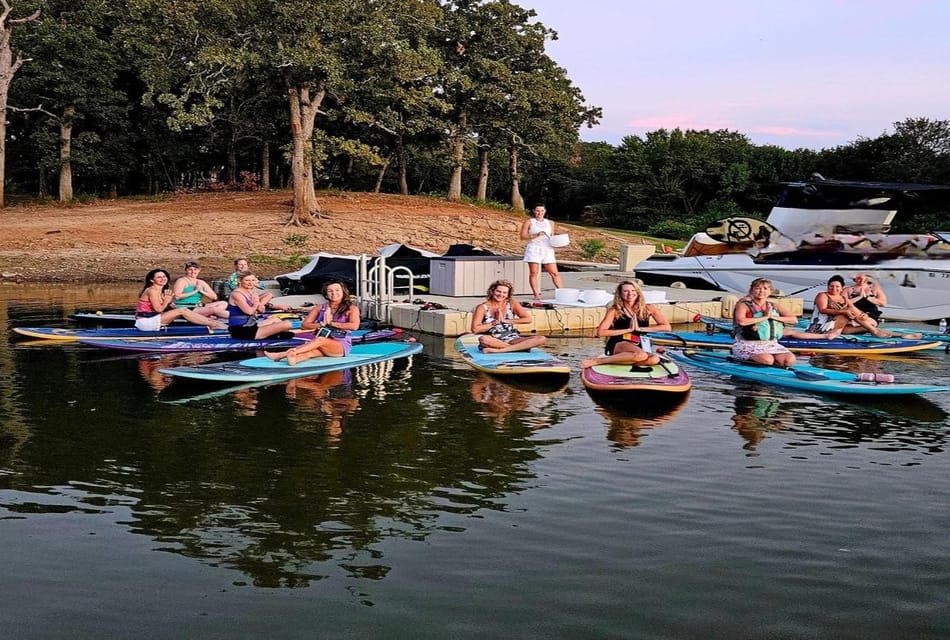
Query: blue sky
{"points": [[798, 73]]}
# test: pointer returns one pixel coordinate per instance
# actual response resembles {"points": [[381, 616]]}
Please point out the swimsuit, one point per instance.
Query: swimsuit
{"points": [[763, 338], [622, 321], [241, 325], [340, 335], [192, 301], [504, 331]]}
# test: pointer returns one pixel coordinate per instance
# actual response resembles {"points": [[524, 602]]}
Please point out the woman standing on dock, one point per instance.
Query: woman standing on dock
{"points": [[539, 253]]}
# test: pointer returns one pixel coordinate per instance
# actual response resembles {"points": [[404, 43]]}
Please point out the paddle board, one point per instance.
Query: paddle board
{"points": [[800, 376], [721, 324], [124, 333], [265, 370], [667, 377], [172, 332], [216, 343], [535, 362], [128, 319], [850, 345]]}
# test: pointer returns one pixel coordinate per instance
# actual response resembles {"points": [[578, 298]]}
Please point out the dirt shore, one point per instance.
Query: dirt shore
{"points": [[118, 240]]}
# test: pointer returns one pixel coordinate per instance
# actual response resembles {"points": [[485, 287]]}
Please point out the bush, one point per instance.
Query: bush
{"points": [[591, 248], [671, 229]]}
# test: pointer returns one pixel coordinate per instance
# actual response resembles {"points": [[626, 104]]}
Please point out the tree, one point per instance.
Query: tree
{"points": [[316, 50], [75, 81], [9, 65]]}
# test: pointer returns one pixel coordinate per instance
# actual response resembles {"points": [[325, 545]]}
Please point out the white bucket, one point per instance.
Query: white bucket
{"points": [[566, 295], [654, 297], [560, 240], [595, 296]]}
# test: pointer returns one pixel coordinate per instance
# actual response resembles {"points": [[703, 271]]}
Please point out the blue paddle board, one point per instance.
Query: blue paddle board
{"points": [[800, 376], [846, 345], [265, 370], [534, 362]]}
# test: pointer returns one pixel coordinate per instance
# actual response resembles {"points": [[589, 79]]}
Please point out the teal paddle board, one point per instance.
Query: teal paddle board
{"points": [[800, 376], [845, 345], [533, 363], [263, 369]]}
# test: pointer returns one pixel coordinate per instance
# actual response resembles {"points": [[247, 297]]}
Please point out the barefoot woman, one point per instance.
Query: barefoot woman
{"points": [[332, 321], [495, 320], [628, 318]]}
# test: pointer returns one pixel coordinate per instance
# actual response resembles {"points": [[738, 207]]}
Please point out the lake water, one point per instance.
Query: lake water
{"points": [[420, 499]]}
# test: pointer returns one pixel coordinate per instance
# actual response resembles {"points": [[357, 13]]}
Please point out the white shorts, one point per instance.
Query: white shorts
{"points": [[149, 324], [539, 253]]}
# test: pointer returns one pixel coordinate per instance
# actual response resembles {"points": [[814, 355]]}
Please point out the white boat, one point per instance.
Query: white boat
{"points": [[817, 229]]}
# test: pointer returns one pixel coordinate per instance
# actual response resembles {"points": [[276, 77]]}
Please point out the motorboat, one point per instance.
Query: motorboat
{"points": [[819, 228]]}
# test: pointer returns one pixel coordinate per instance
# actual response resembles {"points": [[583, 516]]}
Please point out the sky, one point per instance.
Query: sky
{"points": [[810, 74]]}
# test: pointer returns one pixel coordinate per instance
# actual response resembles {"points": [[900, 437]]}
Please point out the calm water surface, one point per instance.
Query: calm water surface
{"points": [[420, 499]]}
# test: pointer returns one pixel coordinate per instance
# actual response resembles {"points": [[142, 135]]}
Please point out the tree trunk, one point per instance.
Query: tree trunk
{"points": [[41, 189], [517, 202], [380, 176], [265, 166], [303, 114], [8, 68], [65, 152], [482, 192], [403, 170], [232, 158], [458, 158]]}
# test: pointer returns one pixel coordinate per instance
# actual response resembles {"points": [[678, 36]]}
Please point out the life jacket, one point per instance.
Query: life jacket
{"points": [[770, 330]]}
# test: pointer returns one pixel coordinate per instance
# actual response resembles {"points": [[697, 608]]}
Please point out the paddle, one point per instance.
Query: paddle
{"points": [[659, 353], [798, 373]]}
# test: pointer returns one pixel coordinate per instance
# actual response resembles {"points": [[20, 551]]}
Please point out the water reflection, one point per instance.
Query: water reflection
{"points": [[329, 394], [755, 416], [632, 414], [508, 401], [898, 423]]}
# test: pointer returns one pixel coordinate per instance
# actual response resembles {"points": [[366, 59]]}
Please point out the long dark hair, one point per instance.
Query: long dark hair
{"points": [[150, 276], [345, 303]]}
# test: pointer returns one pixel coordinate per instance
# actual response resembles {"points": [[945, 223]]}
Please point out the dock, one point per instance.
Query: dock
{"points": [[451, 316]]}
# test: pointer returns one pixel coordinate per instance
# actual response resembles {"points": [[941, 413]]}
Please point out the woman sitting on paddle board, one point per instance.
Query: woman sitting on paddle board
{"points": [[332, 322], [245, 307], [190, 290], [836, 311], [757, 326], [496, 318], [628, 318], [154, 310]]}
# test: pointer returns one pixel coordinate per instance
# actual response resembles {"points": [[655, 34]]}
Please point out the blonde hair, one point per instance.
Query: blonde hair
{"points": [[759, 281], [639, 305], [502, 283]]}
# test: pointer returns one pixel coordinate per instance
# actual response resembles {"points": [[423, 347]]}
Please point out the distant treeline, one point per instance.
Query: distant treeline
{"points": [[455, 98]]}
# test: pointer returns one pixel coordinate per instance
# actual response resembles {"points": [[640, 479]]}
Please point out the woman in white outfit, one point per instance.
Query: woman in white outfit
{"points": [[537, 230]]}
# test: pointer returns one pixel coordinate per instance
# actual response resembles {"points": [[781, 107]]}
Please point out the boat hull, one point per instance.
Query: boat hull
{"points": [[917, 290]]}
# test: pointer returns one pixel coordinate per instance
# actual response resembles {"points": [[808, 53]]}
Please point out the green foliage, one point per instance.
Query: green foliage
{"points": [[671, 229], [296, 240], [591, 248]]}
